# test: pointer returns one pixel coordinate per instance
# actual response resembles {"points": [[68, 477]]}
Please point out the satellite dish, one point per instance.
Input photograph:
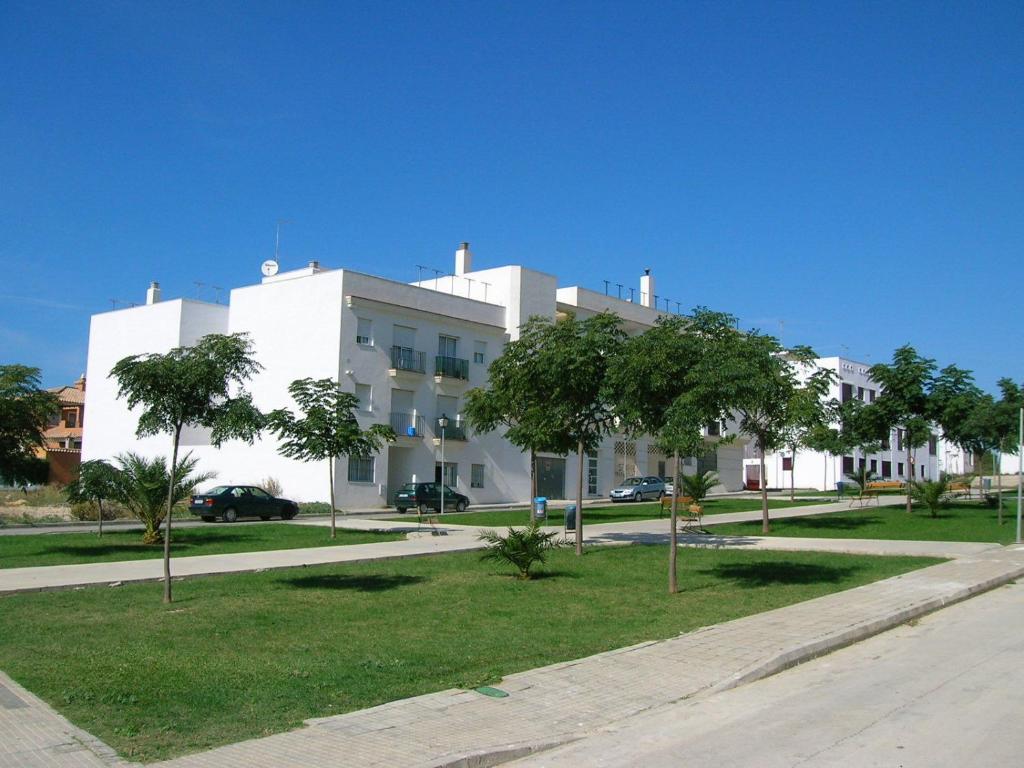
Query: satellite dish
{"points": [[269, 268]]}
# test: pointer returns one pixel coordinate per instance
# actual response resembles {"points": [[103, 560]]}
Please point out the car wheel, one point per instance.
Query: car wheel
{"points": [[638, 496], [401, 510], [264, 517], [460, 506], [230, 515], [289, 514], [208, 519], [424, 509]]}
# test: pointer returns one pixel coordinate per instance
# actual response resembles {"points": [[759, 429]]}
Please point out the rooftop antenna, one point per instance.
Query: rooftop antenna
{"points": [[679, 308], [486, 286], [620, 289], [218, 290], [277, 238], [419, 274], [605, 287], [437, 276], [199, 287]]}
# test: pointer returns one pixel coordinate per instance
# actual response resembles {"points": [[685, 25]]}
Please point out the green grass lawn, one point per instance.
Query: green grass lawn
{"points": [[67, 548], [613, 513], [958, 522], [240, 656]]}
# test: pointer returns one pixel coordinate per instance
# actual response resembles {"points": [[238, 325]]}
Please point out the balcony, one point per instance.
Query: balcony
{"points": [[407, 425], [451, 368], [407, 360], [456, 430]]}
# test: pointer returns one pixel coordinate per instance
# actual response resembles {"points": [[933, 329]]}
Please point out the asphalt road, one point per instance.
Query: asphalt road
{"points": [[948, 691]]}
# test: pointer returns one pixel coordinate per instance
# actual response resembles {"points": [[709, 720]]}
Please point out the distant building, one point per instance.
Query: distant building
{"points": [[62, 439], [409, 352], [813, 469]]}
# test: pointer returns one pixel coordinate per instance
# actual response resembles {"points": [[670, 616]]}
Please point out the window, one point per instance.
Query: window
{"points": [[847, 464], [899, 469], [360, 469], [861, 464], [363, 392], [479, 351], [860, 393], [847, 392], [886, 469], [921, 467], [871, 395], [592, 475], [364, 331], [447, 346], [874, 465], [70, 417], [933, 445], [900, 434], [885, 444], [451, 473], [476, 479]]}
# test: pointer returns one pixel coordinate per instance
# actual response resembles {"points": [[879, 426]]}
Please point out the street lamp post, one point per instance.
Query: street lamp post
{"points": [[1020, 469], [443, 424]]}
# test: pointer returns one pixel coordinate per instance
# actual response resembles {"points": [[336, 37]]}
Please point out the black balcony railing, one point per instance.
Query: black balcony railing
{"points": [[408, 359], [451, 367], [406, 424], [456, 429]]}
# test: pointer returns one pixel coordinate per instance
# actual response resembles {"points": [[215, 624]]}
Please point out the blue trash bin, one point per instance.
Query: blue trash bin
{"points": [[840, 487], [540, 508], [570, 517]]}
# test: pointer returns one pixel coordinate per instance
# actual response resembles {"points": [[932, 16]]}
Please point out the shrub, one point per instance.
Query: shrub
{"points": [[697, 487], [521, 548], [314, 508], [931, 493], [272, 486]]}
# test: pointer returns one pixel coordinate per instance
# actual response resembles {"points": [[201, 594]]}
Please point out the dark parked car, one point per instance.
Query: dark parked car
{"points": [[424, 497], [234, 501]]}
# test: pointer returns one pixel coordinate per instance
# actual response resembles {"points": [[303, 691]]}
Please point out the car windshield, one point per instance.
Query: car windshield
{"points": [[409, 487], [632, 481], [217, 490]]}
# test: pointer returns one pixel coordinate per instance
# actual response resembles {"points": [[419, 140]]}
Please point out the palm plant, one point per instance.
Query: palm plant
{"points": [[141, 486], [932, 493], [697, 487], [520, 547], [862, 476]]}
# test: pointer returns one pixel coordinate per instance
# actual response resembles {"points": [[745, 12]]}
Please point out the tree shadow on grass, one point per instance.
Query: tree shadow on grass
{"points": [[370, 583], [767, 574], [136, 547], [837, 523]]}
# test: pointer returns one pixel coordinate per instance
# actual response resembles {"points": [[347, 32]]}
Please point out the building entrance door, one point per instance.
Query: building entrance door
{"points": [[550, 477]]}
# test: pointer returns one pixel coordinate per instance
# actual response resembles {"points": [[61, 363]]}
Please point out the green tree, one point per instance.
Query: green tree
{"points": [[517, 399], [96, 481], [25, 410], [670, 382], [992, 427], [774, 395], [199, 386], [141, 485], [326, 429], [575, 356]]}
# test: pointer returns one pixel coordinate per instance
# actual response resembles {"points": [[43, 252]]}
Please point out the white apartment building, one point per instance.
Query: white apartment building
{"points": [[813, 469], [408, 351]]}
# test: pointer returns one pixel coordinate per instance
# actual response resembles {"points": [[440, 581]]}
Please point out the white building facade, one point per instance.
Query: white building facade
{"points": [[813, 469], [409, 352]]}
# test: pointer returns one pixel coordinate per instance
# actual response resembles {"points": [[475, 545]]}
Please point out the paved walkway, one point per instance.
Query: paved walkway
{"points": [[453, 538]]}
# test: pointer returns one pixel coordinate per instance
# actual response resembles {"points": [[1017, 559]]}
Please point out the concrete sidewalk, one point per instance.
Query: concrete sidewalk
{"points": [[558, 704]]}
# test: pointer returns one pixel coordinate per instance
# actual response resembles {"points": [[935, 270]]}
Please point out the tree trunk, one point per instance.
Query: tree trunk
{"points": [[997, 467], [792, 477], [824, 486], [330, 474], [579, 499], [99, 504], [765, 522], [673, 544], [533, 483], [167, 525], [910, 473]]}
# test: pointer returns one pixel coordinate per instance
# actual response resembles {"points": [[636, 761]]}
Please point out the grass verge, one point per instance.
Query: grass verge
{"points": [[241, 656], [958, 522], [613, 513], [23, 551]]}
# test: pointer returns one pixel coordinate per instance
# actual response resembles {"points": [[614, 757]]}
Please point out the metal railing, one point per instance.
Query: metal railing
{"points": [[451, 367], [408, 359], [456, 429], [406, 424]]}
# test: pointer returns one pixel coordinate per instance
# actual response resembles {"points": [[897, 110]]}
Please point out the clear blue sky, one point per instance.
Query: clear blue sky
{"points": [[850, 174]]}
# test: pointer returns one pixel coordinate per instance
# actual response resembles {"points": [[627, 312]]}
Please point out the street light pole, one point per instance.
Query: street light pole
{"points": [[443, 424], [1020, 468]]}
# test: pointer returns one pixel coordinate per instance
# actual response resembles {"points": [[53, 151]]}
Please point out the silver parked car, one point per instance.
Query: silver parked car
{"points": [[638, 489]]}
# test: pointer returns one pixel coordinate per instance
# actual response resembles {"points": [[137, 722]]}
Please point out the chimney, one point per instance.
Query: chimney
{"points": [[647, 289], [80, 384], [153, 293], [463, 259], [315, 266]]}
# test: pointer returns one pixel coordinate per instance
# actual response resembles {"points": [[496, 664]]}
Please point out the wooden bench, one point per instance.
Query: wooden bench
{"points": [[885, 485], [689, 515], [666, 503], [959, 489]]}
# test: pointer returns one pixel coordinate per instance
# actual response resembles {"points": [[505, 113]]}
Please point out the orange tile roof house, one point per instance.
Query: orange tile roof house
{"points": [[62, 439]]}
